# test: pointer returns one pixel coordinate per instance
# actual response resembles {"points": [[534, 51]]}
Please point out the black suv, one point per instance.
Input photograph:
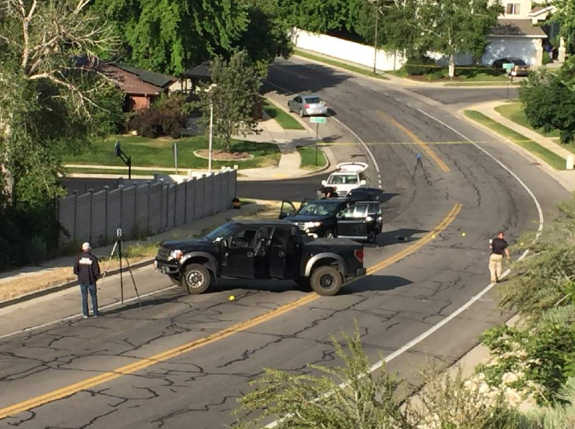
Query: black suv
{"points": [[336, 217], [261, 250]]}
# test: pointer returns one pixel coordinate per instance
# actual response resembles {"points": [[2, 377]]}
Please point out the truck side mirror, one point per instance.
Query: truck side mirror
{"points": [[324, 182], [362, 182]]}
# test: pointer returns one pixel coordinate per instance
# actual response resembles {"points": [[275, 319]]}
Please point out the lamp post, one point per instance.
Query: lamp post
{"points": [[211, 136], [375, 38]]}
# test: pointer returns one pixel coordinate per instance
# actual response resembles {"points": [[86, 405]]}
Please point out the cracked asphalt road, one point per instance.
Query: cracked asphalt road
{"points": [[199, 389]]}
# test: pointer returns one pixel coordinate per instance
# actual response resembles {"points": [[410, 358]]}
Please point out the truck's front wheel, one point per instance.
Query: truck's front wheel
{"points": [[326, 281], [197, 279]]}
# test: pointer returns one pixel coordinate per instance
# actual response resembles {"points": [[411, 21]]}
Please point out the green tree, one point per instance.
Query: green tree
{"points": [[267, 34], [171, 35], [564, 15], [234, 96], [546, 278], [549, 100], [453, 27], [319, 401], [52, 95], [319, 16]]}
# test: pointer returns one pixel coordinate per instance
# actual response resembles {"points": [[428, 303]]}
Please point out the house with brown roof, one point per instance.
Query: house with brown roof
{"points": [[139, 94]]}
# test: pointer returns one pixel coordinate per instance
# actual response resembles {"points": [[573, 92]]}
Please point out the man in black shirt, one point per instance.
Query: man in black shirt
{"points": [[498, 247], [87, 269]]}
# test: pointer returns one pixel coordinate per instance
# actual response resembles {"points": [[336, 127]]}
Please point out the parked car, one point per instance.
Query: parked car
{"points": [[307, 105], [261, 250], [347, 177], [336, 217], [520, 68]]}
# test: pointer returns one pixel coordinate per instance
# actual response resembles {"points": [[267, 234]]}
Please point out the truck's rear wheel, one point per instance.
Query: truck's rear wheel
{"points": [[326, 281], [197, 279]]}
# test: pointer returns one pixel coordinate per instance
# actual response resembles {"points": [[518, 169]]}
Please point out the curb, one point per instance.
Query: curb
{"points": [[64, 286], [297, 118], [541, 164]]}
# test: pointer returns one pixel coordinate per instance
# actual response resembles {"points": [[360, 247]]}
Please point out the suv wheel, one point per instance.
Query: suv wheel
{"points": [[326, 281], [197, 279], [372, 237], [329, 234]]}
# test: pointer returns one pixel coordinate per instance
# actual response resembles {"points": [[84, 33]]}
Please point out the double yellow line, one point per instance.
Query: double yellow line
{"points": [[217, 336], [442, 165]]}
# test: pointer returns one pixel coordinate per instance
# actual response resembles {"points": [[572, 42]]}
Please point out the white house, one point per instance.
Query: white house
{"points": [[516, 34]]}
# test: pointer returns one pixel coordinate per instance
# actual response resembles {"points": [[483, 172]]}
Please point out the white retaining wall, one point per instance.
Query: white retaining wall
{"points": [[346, 50]]}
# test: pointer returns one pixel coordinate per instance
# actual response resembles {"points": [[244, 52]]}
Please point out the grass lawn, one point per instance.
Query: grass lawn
{"points": [[286, 121], [307, 155], [336, 63], [514, 112], [158, 153], [463, 74], [476, 83], [551, 158]]}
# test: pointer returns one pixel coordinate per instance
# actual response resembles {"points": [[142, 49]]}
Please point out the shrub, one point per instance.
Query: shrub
{"points": [[166, 117], [537, 358], [419, 66], [546, 58]]}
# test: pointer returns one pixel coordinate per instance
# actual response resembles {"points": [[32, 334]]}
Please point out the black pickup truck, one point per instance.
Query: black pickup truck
{"points": [[261, 250]]}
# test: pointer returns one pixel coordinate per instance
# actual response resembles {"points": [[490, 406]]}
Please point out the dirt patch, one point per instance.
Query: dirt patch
{"points": [[49, 278], [220, 155]]}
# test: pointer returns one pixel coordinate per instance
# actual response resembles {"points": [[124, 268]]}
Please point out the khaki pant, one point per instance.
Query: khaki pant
{"points": [[495, 267]]}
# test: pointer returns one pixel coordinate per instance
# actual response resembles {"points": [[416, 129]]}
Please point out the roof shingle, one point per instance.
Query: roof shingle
{"points": [[517, 27]]}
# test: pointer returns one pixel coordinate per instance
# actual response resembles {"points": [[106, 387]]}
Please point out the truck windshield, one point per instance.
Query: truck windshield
{"points": [[319, 209], [221, 231], [343, 179]]}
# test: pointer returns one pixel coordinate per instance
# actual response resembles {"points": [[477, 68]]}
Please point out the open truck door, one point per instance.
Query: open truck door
{"points": [[362, 221]]}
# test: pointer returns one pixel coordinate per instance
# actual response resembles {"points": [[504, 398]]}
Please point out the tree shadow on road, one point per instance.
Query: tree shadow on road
{"points": [[375, 283]]}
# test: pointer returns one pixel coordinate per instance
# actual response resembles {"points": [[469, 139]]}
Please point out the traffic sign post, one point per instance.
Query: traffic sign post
{"points": [[317, 120]]}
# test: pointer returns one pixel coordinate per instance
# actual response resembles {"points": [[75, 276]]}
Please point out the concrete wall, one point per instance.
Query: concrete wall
{"points": [[346, 50], [143, 209]]}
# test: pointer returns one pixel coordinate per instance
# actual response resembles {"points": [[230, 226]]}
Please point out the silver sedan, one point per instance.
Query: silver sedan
{"points": [[307, 105]]}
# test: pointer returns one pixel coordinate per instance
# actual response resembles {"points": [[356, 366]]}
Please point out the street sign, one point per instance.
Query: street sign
{"points": [[317, 120]]}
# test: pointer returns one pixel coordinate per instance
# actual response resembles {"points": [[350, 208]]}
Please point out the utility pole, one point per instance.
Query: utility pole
{"points": [[375, 38], [211, 136]]}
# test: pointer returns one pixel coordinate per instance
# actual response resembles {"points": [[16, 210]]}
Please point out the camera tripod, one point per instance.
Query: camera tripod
{"points": [[419, 163], [118, 246]]}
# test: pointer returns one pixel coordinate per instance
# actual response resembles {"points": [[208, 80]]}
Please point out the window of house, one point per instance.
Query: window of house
{"points": [[513, 9]]}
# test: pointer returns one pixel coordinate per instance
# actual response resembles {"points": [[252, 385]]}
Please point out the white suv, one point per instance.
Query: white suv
{"points": [[347, 177]]}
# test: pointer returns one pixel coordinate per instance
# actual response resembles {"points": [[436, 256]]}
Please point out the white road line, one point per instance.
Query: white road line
{"points": [[473, 299], [77, 316]]}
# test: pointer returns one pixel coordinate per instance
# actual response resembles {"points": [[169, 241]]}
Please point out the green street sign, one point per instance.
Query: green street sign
{"points": [[317, 120]]}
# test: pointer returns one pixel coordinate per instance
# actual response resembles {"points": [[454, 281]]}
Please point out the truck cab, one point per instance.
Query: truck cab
{"points": [[260, 250]]}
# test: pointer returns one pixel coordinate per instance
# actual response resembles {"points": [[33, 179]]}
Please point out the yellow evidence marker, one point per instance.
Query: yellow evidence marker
{"points": [[231, 298]]}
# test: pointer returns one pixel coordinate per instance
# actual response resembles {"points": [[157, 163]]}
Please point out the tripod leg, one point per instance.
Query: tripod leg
{"points": [[108, 264], [423, 168], [133, 281]]}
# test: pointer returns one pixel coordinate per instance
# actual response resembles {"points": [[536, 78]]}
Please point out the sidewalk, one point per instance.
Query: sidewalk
{"points": [[565, 177], [55, 275]]}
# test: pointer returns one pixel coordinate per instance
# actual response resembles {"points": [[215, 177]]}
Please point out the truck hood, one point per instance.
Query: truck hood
{"points": [[185, 245], [308, 218]]}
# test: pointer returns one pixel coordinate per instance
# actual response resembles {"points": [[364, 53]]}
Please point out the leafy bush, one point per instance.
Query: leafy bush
{"points": [[546, 58], [546, 278], [538, 358], [166, 117], [318, 401], [549, 100], [27, 234], [419, 66]]}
